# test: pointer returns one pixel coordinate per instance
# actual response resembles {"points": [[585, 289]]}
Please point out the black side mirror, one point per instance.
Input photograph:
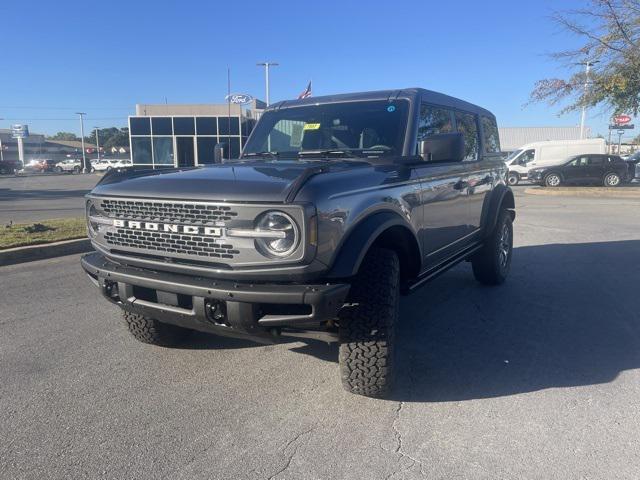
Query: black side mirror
{"points": [[444, 147], [218, 152]]}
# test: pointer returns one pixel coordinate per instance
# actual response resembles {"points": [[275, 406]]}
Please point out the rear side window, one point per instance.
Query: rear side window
{"points": [[466, 124], [491, 136], [433, 121], [595, 161]]}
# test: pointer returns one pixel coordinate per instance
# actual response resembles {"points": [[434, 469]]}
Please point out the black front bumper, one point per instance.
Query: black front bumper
{"points": [[259, 311]]}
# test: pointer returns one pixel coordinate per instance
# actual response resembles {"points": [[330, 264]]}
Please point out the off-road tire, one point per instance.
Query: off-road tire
{"points": [[367, 325], [148, 330], [490, 267]]}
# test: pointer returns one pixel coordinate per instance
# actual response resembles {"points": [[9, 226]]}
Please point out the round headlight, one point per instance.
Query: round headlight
{"points": [[281, 234]]}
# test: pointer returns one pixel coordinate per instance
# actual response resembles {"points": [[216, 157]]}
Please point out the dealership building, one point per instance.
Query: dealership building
{"points": [[183, 135]]}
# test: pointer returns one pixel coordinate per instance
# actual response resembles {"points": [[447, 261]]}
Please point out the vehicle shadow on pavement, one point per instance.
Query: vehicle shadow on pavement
{"points": [[567, 316]]}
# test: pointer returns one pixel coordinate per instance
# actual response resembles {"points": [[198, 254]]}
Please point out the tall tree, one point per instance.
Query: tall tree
{"points": [[610, 34], [110, 137], [65, 136]]}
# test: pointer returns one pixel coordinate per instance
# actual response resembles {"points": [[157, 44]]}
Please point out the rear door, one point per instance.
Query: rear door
{"points": [[594, 169]]}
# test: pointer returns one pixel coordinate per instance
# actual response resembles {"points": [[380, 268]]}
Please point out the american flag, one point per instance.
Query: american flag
{"points": [[306, 93]]}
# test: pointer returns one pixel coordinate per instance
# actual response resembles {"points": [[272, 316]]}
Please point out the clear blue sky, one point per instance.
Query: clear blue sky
{"points": [[102, 58]]}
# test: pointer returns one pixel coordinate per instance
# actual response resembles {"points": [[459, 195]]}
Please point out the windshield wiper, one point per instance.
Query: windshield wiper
{"points": [[261, 154], [321, 153]]}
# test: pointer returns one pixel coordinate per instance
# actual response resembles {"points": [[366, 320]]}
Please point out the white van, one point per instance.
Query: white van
{"points": [[541, 154]]}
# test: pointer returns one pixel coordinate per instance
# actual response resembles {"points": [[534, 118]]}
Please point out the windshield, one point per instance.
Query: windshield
{"points": [[364, 129]]}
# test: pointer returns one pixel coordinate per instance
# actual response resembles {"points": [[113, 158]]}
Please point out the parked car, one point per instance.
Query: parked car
{"points": [[9, 166], [543, 154], [336, 206], [103, 165], [124, 163], [633, 161], [40, 166], [71, 165], [607, 170]]}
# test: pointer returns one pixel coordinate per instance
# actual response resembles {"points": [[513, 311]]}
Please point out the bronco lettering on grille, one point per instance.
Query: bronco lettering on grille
{"points": [[169, 227]]}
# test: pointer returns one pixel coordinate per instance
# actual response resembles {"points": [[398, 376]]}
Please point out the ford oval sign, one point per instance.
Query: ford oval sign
{"points": [[239, 98]]}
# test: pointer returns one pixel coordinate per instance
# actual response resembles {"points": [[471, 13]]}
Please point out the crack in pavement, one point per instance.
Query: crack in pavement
{"points": [[399, 450], [294, 452]]}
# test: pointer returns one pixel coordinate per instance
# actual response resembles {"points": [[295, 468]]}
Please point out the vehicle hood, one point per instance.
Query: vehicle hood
{"points": [[263, 181]]}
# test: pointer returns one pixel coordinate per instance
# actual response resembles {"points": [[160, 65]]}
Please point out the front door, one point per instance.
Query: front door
{"points": [[185, 151], [444, 192], [576, 170]]}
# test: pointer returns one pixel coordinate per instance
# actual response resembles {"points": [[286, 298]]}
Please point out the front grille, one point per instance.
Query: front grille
{"points": [[171, 243], [169, 212]]}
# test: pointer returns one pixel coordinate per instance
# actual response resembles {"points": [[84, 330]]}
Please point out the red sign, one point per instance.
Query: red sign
{"points": [[621, 119]]}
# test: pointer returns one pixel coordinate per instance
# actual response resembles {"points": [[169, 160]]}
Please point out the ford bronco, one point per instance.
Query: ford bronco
{"points": [[336, 207]]}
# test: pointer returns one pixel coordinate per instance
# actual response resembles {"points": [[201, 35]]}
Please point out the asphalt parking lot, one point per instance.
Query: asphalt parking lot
{"points": [[537, 379], [43, 197]]}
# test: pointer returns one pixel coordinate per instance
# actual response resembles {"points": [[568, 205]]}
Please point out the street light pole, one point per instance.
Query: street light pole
{"points": [[583, 116], [84, 157], [97, 142], [266, 66], [1, 148]]}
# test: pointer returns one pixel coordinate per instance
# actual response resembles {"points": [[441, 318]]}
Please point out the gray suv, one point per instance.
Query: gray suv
{"points": [[337, 206]]}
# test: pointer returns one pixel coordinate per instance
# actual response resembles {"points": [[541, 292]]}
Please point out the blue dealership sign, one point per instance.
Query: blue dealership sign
{"points": [[19, 131]]}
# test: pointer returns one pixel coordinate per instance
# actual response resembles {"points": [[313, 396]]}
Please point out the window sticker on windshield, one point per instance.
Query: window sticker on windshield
{"points": [[311, 126]]}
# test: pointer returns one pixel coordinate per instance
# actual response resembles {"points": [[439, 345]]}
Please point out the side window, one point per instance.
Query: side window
{"points": [[466, 124], [579, 162], [491, 136], [526, 157], [434, 120], [595, 161]]}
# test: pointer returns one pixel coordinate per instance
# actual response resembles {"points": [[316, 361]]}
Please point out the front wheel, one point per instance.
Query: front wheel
{"points": [[513, 179], [492, 263], [148, 330], [367, 324], [612, 180], [552, 180]]}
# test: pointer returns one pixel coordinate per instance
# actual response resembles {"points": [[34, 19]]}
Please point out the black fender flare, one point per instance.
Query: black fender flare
{"points": [[501, 197], [354, 248]]}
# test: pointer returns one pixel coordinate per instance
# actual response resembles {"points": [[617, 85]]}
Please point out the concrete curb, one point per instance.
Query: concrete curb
{"points": [[12, 256], [597, 192]]}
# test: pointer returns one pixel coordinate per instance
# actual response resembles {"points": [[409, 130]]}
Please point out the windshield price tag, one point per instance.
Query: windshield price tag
{"points": [[311, 126]]}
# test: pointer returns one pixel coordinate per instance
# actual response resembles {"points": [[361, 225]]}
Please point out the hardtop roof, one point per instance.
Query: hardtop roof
{"points": [[412, 94]]}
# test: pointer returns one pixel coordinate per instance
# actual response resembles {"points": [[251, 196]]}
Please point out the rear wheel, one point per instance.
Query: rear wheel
{"points": [[513, 178], [612, 180], [148, 330], [76, 169], [367, 325], [492, 262], [552, 180]]}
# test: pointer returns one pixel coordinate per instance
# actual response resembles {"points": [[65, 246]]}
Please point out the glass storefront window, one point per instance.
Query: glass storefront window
{"points": [[206, 126], [229, 126], [205, 149], [162, 126], [140, 126], [163, 151], [141, 150], [183, 126]]}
